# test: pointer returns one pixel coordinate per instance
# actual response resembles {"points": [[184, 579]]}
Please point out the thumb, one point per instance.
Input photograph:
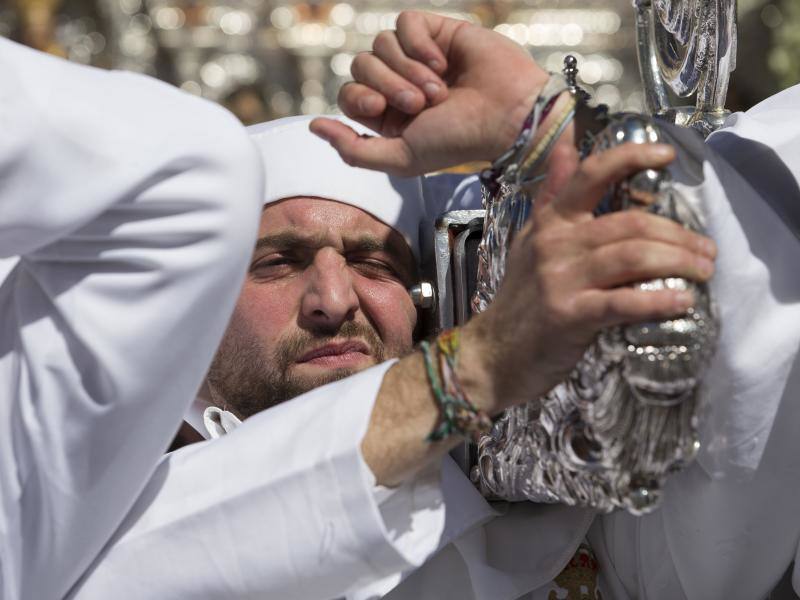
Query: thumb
{"points": [[561, 167], [597, 173], [391, 155]]}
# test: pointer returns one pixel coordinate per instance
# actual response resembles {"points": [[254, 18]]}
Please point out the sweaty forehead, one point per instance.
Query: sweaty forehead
{"points": [[318, 214]]}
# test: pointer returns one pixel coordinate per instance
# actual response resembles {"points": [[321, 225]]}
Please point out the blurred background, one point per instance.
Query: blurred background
{"points": [[265, 59]]}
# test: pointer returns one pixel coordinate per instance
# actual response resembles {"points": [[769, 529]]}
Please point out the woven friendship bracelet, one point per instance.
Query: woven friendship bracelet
{"points": [[539, 154], [505, 168], [517, 167], [459, 415]]}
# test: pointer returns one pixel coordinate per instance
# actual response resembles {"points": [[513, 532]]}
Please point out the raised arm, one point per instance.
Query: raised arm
{"points": [[131, 207]]}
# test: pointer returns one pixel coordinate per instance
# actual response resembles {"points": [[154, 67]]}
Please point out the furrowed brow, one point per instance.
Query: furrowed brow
{"points": [[288, 239], [368, 243], [394, 247]]}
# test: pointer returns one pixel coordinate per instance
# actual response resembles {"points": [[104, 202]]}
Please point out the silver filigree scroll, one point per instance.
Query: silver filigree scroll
{"points": [[689, 47], [626, 416]]}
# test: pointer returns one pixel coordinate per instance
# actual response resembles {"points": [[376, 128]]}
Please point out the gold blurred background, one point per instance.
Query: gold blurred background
{"points": [[266, 59]]}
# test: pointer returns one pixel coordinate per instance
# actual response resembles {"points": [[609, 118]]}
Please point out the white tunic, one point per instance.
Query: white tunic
{"points": [[131, 209]]}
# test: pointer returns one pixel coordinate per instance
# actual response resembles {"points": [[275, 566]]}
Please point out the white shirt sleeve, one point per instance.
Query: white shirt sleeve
{"points": [[282, 507], [131, 208]]}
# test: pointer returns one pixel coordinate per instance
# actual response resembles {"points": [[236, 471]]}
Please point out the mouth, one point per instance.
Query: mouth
{"points": [[337, 355]]}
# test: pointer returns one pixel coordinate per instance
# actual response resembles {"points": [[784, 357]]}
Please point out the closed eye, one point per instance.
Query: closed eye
{"points": [[375, 268], [276, 265]]}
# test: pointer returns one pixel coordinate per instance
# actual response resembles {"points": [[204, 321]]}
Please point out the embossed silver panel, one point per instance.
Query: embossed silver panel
{"points": [[626, 416]]}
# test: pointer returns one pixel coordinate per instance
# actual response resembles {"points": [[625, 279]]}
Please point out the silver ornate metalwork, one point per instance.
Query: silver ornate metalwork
{"points": [[626, 416], [688, 46]]}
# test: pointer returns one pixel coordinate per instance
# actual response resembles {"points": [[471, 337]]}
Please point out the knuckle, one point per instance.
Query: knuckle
{"points": [[417, 47], [550, 300], [358, 65], [416, 72], [631, 256], [347, 101], [383, 41], [563, 310], [549, 244], [683, 260], [347, 91], [407, 18], [552, 291], [615, 307], [403, 17], [637, 222], [590, 170], [348, 155]]}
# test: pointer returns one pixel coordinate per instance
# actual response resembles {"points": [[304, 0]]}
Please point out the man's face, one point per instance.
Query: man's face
{"points": [[325, 296]]}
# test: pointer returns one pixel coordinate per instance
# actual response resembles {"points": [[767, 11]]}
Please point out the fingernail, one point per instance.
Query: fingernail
{"points": [[705, 267], [684, 300], [709, 247], [368, 105], [660, 150], [434, 64], [431, 89], [404, 100]]}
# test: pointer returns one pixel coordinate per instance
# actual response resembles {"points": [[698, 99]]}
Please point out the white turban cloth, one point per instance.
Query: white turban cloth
{"points": [[298, 163]]}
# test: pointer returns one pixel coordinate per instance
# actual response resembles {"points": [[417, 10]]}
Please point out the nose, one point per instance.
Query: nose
{"points": [[330, 298]]}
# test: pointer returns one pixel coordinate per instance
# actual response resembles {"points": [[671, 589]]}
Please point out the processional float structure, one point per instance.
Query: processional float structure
{"points": [[628, 414]]}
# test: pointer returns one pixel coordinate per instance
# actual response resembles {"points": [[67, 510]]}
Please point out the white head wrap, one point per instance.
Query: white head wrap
{"points": [[298, 163]]}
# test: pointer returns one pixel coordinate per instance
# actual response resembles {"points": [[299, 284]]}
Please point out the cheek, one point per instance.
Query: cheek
{"points": [[389, 307], [265, 311]]}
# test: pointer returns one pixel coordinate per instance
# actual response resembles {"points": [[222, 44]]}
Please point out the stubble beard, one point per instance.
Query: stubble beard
{"points": [[245, 381]]}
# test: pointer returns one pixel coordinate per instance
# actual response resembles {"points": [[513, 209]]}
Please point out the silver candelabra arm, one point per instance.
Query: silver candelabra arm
{"points": [[689, 47]]}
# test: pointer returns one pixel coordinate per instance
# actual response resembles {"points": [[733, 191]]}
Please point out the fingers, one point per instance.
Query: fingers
{"points": [[629, 261], [600, 171], [388, 49], [357, 102], [384, 154], [628, 305], [362, 103], [637, 224], [370, 71], [400, 72], [561, 168], [421, 37]]}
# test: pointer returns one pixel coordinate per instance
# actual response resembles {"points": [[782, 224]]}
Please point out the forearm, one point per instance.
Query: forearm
{"points": [[132, 207], [78, 141], [404, 414], [284, 507], [406, 411]]}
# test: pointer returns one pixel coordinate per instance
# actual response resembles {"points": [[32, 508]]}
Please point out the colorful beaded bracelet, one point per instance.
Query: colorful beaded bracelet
{"points": [[459, 415]]}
